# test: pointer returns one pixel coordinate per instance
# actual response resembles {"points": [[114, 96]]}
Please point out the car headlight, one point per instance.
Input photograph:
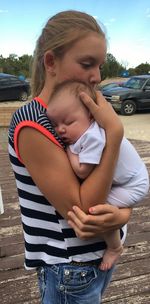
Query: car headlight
{"points": [[115, 98]]}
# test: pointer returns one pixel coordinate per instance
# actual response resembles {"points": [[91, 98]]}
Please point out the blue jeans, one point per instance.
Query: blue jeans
{"points": [[68, 284]]}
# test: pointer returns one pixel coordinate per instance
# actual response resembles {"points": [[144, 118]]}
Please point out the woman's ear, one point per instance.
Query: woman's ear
{"points": [[49, 62]]}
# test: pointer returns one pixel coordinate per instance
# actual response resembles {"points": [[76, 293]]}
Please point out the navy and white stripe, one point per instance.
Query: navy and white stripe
{"points": [[48, 238]]}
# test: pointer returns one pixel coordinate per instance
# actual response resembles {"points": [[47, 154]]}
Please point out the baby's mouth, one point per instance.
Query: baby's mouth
{"points": [[65, 139]]}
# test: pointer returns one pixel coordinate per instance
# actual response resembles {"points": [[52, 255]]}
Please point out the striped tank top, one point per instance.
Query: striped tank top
{"points": [[48, 237]]}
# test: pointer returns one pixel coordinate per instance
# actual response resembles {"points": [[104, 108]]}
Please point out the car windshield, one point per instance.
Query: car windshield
{"points": [[134, 83], [109, 86]]}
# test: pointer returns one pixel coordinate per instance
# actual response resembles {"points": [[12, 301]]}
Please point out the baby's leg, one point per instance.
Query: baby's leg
{"points": [[119, 197], [113, 251]]}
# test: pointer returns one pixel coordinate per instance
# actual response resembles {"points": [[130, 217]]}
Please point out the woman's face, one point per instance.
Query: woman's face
{"points": [[83, 61]]}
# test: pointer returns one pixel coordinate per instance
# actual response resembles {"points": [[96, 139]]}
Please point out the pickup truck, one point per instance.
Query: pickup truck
{"points": [[133, 96]]}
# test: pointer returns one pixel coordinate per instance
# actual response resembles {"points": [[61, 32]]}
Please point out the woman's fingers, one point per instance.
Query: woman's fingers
{"points": [[79, 218], [79, 233], [97, 214], [89, 103], [105, 214], [104, 114], [101, 110], [100, 99], [82, 231], [100, 220], [101, 209], [85, 223]]}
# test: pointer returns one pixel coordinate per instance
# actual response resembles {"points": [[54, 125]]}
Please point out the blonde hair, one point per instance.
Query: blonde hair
{"points": [[59, 34]]}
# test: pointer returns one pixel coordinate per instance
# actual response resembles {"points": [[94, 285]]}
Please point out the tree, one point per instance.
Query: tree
{"points": [[2, 63], [142, 69], [16, 65], [132, 72], [24, 65], [111, 68]]}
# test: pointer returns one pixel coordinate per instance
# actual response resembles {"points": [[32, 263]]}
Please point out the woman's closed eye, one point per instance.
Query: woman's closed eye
{"points": [[86, 65]]}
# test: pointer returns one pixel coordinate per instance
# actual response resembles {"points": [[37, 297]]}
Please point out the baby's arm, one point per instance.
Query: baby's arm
{"points": [[82, 170]]}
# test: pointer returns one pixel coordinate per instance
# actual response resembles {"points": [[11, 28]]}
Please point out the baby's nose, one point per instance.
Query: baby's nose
{"points": [[61, 129]]}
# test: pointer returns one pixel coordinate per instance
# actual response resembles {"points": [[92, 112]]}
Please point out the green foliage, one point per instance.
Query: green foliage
{"points": [[142, 69], [132, 72], [111, 68], [16, 65]]}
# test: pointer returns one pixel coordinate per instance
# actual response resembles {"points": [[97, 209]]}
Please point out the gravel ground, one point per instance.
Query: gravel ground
{"points": [[137, 126]]}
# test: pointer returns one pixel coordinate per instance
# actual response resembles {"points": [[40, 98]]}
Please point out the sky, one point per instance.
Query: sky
{"points": [[127, 25]]}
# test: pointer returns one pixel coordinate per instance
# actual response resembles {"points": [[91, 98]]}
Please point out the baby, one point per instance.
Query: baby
{"points": [[86, 141]]}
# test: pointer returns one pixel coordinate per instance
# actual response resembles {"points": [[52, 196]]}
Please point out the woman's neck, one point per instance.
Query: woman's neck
{"points": [[46, 93], [44, 96]]}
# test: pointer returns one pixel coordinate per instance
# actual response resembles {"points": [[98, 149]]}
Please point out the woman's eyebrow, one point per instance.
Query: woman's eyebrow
{"points": [[88, 57], [92, 59]]}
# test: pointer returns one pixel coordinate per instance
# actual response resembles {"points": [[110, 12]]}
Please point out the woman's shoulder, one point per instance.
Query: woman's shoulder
{"points": [[32, 114], [29, 111]]}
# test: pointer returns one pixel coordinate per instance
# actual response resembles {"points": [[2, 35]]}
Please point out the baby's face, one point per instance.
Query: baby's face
{"points": [[69, 119]]}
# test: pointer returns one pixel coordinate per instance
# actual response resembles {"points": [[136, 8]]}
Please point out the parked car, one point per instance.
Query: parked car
{"points": [[133, 96], [13, 88], [111, 85]]}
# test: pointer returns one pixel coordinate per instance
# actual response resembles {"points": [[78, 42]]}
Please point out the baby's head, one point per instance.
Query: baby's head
{"points": [[66, 111]]}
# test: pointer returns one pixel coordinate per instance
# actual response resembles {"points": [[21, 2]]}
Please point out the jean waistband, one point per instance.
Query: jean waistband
{"points": [[95, 263]]}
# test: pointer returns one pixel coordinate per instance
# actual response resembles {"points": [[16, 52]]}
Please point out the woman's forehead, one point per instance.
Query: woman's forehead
{"points": [[89, 46], [93, 38]]}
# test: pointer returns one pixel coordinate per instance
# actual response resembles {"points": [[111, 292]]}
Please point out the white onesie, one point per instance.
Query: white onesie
{"points": [[131, 179]]}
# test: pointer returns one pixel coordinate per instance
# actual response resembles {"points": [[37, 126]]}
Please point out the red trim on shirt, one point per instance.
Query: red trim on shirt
{"points": [[36, 126], [41, 101]]}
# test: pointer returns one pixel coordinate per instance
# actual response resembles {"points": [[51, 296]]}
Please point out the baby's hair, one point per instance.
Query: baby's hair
{"points": [[75, 87]]}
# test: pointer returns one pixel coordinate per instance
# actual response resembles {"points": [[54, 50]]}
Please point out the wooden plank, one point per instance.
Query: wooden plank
{"points": [[14, 249], [11, 262], [129, 269], [139, 299], [11, 239], [131, 280], [20, 290], [11, 221], [125, 288]]}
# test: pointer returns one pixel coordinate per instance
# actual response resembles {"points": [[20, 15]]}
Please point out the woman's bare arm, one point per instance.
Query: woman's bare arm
{"points": [[102, 219], [51, 170]]}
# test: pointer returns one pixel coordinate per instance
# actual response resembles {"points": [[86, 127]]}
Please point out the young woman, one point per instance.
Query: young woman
{"points": [[71, 46]]}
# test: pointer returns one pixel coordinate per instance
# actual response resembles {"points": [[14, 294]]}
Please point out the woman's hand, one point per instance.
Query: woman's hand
{"points": [[103, 112], [101, 219]]}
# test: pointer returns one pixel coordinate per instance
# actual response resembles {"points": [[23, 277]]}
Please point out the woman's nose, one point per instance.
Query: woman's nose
{"points": [[96, 76]]}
